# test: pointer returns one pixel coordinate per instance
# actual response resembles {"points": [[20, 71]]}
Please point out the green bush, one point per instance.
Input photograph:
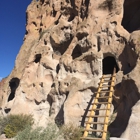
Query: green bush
{"points": [[12, 124], [3, 122], [68, 132], [29, 134], [71, 132], [39, 133]]}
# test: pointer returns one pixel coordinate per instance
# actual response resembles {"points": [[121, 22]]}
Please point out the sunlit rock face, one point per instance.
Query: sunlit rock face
{"points": [[67, 47]]}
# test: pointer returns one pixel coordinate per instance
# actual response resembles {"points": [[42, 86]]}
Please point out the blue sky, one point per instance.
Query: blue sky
{"points": [[12, 30]]}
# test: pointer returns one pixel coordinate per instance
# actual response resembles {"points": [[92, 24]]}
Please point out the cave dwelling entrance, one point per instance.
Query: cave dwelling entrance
{"points": [[109, 63]]}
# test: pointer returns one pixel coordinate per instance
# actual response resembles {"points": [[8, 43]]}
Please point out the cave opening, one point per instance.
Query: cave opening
{"points": [[109, 63], [37, 58], [14, 83], [131, 18]]}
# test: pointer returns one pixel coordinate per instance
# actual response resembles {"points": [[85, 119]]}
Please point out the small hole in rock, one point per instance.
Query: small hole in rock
{"points": [[45, 42], [14, 83], [7, 110], [34, 23], [37, 58], [37, 103], [41, 84], [54, 13]]}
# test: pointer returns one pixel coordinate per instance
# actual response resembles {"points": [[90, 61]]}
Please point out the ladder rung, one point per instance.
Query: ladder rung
{"points": [[105, 82], [102, 109], [109, 81], [98, 109], [102, 103], [103, 97], [102, 83], [90, 138], [96, 123], [103, 91], [94, 130], [109, 77], [105, 85], [105, 77], [95, 116]]}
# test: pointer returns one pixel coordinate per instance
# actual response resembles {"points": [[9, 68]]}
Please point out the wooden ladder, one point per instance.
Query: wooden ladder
{"points": [[103, 96]]}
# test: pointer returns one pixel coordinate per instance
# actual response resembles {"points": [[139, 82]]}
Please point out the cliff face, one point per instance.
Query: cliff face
{"points": [[67, 47]]}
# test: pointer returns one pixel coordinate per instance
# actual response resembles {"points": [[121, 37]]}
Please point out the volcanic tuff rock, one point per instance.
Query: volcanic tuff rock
{"points": [[66, 45]]}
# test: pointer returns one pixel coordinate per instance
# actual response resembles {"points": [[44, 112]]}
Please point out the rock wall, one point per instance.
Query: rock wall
{"points": [[132, 131], [61, 60]]}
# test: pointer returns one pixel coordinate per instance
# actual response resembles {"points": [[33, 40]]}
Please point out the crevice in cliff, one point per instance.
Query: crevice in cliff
{"points": [[57, 68], [98, 43], [131, 18], [84, 9], [76, 52], [109, 63], [14, 83], [59, 119], [50, 101], [54, 12]]}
